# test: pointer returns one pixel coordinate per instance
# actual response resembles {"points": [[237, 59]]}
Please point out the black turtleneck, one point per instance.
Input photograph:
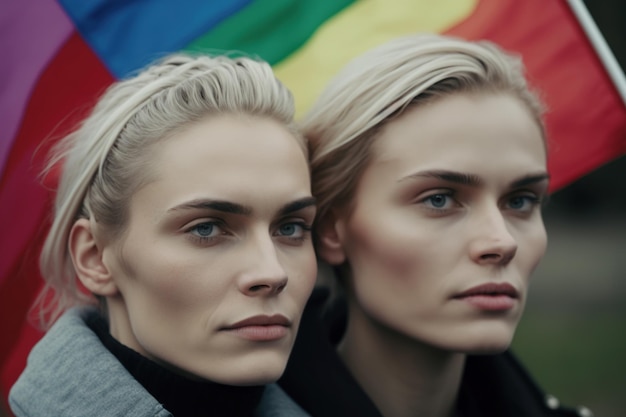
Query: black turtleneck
{"points": [[179, 394], [318, 380]]}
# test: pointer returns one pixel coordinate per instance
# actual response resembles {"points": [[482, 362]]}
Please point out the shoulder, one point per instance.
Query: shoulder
{"points": [[496, 384], [69, 371], [276, 403], [316, 376]]}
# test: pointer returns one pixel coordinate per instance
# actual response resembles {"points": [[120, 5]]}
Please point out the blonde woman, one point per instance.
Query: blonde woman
{"points": [[429, 167], [179, 257]]}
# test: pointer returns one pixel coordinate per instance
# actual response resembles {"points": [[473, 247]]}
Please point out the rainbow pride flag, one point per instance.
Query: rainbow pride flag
{"points": [[58, 56]]}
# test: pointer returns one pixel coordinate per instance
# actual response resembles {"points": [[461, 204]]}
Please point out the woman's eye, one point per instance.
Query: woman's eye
{"points": [[523, 202], [289, 229], [293, 230], [205, 231], [440, 201]]}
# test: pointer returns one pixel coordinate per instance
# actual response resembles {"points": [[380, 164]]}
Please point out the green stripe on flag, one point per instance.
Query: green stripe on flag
{"points": [[271, 29], [359, 27]]}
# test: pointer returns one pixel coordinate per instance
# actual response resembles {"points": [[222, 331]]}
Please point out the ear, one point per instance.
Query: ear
{"points": [[87, 256], [330, 245]]}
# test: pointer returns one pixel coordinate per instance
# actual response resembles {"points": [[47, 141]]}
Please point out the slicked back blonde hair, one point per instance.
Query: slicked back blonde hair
{"points": [[379, 85], [108, 157]]}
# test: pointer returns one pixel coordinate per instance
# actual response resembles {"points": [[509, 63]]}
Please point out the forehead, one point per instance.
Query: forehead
{"points": [[463, 131], [230, 157]]}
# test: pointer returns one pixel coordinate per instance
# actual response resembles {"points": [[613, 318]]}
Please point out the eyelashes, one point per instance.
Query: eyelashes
{"points": [[212, 232], [297, 230], [440, 201], [447, 201], [206, 232], [524, 202]]}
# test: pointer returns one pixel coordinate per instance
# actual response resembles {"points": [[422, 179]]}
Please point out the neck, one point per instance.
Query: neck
{"points": [[402, 376], [180, 394]]}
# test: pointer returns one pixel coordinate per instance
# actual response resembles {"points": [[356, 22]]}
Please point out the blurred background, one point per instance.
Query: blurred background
{"points": [[573, 335]]}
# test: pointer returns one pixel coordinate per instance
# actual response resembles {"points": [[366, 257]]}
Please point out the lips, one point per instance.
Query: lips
{"points": [[275, 320], [260, 328], [490, 289], [492, 297]]}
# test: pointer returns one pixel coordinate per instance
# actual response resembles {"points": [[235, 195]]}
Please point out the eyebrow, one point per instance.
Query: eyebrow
{"points": [[449, 176], [472, 180], [297, 205], [239, 209], [218, 205], [530, 179]]}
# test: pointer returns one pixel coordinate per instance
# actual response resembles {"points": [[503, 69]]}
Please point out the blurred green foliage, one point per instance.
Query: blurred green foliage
{"points": [[578, 357]]}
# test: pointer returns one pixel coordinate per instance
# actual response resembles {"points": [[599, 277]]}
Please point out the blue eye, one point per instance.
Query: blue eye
{"points": [[204, 230], [523, 202], [438, 200], [517, 203], [289, 229], [293, 230]]}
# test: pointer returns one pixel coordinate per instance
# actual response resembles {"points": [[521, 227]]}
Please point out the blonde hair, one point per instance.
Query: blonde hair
{"points": [[380, 84], [106, 159]]}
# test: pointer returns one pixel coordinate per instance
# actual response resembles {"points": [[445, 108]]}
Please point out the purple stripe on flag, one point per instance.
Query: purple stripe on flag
{"points": [[127, 35], [31, 32]]}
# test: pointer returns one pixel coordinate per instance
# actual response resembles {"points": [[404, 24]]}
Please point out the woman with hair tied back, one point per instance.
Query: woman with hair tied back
{"points": [[179, 257], [428, 162]]}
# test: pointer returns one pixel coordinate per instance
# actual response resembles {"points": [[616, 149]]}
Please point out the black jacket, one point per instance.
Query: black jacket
{"points": [[317, 379]]}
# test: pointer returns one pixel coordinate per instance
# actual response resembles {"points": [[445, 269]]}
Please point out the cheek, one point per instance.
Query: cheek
{"points": [[301, 268], [392, 244], [537, 245], [173, 278], [391, 268]]}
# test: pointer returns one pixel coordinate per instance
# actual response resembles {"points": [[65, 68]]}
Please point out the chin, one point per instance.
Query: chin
{"points": [[254, 377], [255, 370], [487, 349], [492, 337], [480, 340], [488, 345]]}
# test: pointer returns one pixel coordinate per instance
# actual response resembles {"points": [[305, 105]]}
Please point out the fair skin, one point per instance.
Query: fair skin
{"points": [[219, 235], [449, 203]]}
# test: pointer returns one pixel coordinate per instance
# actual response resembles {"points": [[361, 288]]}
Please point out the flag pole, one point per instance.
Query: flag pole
{"points": [[601, 47]]}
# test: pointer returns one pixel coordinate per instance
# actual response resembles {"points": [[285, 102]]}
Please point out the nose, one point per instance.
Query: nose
{"points": [[493, 242], [264, 274]]}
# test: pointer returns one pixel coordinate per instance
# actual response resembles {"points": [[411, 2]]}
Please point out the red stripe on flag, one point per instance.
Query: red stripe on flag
{"points": [[64, 93], [586, 121]]}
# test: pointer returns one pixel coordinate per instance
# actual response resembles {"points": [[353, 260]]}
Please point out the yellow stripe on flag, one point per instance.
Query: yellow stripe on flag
{"points": [[359, 27]]}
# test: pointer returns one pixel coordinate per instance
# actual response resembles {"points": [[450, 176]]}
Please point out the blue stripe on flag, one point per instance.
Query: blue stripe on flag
{"points": [[129, 34]]}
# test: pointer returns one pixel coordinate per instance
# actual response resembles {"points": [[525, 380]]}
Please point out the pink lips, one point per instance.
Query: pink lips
{"points": [[490, 297], [260, 328]]}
